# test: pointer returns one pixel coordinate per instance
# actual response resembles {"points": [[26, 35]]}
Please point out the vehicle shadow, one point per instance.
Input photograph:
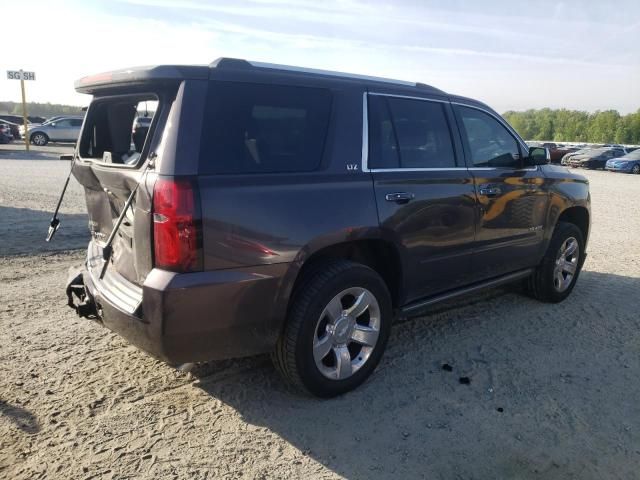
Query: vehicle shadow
{"points": [[21, 154], [531, 407], [23, 230], [23, 418]]}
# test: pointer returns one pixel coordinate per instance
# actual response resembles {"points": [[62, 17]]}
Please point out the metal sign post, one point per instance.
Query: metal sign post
{"points": [[22, 76]]}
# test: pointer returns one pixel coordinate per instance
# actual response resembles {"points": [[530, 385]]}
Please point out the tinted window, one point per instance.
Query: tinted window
{"points": [[383, 147], [63, 123], [253, 128], [490, 143], [409, 133], [76, 122]]}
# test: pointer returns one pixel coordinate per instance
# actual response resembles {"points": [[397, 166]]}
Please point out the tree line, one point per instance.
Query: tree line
{"points": [[563, 125], [558, 125], [40, 109]]}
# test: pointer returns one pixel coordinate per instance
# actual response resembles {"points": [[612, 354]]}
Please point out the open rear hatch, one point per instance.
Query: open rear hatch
{"points": [[120, 134]]}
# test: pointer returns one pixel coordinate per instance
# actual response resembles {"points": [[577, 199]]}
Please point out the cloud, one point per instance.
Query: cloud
{"points": [[478, 50]]}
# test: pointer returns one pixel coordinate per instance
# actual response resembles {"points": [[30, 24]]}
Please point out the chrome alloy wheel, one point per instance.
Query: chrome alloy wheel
{"points": [[346, 333], [39, 139], [566, 264]]}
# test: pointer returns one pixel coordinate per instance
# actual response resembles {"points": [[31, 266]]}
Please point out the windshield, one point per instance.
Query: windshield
{"points": [[635, 155], [584, 151], [600, 151]]}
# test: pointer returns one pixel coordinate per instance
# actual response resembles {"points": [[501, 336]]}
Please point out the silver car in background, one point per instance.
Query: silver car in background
{"points": [[65, 129]]}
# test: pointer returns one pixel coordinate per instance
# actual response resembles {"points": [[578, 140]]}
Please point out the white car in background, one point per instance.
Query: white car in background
{"points": [[62, 129]]}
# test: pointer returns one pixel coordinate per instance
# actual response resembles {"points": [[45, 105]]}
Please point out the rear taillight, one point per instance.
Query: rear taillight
{"points": [[177, 225]]}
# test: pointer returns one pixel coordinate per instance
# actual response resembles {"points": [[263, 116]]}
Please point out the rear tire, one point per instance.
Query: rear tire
{"points": [[40, 139], [337, 329], [636, 170], [555, 277]]}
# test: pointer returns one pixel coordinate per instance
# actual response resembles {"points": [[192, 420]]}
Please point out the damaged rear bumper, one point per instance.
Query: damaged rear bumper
{"points": [[191, 317]]}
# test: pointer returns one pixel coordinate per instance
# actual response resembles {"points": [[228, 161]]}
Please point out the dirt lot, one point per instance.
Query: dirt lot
{"points": [[554, 388]]}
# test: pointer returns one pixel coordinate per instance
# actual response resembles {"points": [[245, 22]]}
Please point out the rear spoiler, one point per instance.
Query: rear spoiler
{"points": [[141, 75]]}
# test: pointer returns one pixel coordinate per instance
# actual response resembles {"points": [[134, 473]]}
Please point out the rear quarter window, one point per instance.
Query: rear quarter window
{"points": [[257, 128]]}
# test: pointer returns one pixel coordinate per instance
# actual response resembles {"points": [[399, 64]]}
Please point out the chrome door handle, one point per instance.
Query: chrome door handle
{"points": [[490, 190], [399, 197]]}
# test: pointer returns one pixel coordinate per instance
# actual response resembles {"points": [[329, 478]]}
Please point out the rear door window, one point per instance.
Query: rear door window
{"points": [[255, 128], [408, 133]]}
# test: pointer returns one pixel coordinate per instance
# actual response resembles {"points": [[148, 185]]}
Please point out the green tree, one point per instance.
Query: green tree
{"points": [[576, 126]]}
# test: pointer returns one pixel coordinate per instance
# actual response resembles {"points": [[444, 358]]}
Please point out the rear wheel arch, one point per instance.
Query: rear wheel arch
{"points": [[379, 255]]}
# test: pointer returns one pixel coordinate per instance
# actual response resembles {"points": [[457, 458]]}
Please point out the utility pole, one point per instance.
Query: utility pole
{"points": [[22, 76]]}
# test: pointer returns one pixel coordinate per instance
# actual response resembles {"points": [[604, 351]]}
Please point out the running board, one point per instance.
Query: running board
{"points": [[415, 307]]}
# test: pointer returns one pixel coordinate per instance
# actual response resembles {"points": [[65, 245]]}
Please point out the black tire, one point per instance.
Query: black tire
{"points": [[541, 284], [294, 356], [39, 138], [636, 169]]}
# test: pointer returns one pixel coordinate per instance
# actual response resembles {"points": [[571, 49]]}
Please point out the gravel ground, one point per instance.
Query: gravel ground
{"points": [[553, 389]]}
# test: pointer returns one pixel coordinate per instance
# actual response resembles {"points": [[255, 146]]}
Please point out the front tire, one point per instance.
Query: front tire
{"points": [[636, 170], [40, 139], [558, 272], [337, 329]]}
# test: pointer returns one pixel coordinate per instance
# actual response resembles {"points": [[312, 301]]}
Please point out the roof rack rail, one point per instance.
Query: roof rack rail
{"points": [[240, 63]]}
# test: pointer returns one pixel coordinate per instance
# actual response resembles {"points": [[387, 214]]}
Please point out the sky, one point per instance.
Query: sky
{"points": [[513, 55]]}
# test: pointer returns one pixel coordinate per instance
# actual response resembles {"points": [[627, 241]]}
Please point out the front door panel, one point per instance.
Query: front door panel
{"points": [[512, 205], [512, 199]]}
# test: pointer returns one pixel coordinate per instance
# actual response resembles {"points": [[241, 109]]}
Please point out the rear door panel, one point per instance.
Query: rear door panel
{"points": [[435, 225], [435, 230]]}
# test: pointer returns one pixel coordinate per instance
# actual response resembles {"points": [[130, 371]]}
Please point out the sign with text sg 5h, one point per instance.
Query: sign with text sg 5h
{"points": [[20, 75]]}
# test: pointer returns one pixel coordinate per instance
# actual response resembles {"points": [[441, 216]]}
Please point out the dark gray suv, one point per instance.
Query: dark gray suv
{"points": [[292, 211]]}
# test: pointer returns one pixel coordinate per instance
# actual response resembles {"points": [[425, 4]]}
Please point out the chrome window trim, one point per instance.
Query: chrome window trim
{"points": [[332, 73], [408, 97], [365, 133], [444, 169], [432, 169]]}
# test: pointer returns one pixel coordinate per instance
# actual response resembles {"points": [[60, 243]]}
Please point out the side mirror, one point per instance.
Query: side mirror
{"points": [[538, 156], [53, 124]]}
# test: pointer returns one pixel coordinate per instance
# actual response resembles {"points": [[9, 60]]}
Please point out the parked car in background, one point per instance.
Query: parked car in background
{"points": [[629, 163], [65, 129], [45, 122], [596, 158], [5, 133], [12, 118], [556, 150], [297, 211], [568, 156], [14, 128], [560, 151]]}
